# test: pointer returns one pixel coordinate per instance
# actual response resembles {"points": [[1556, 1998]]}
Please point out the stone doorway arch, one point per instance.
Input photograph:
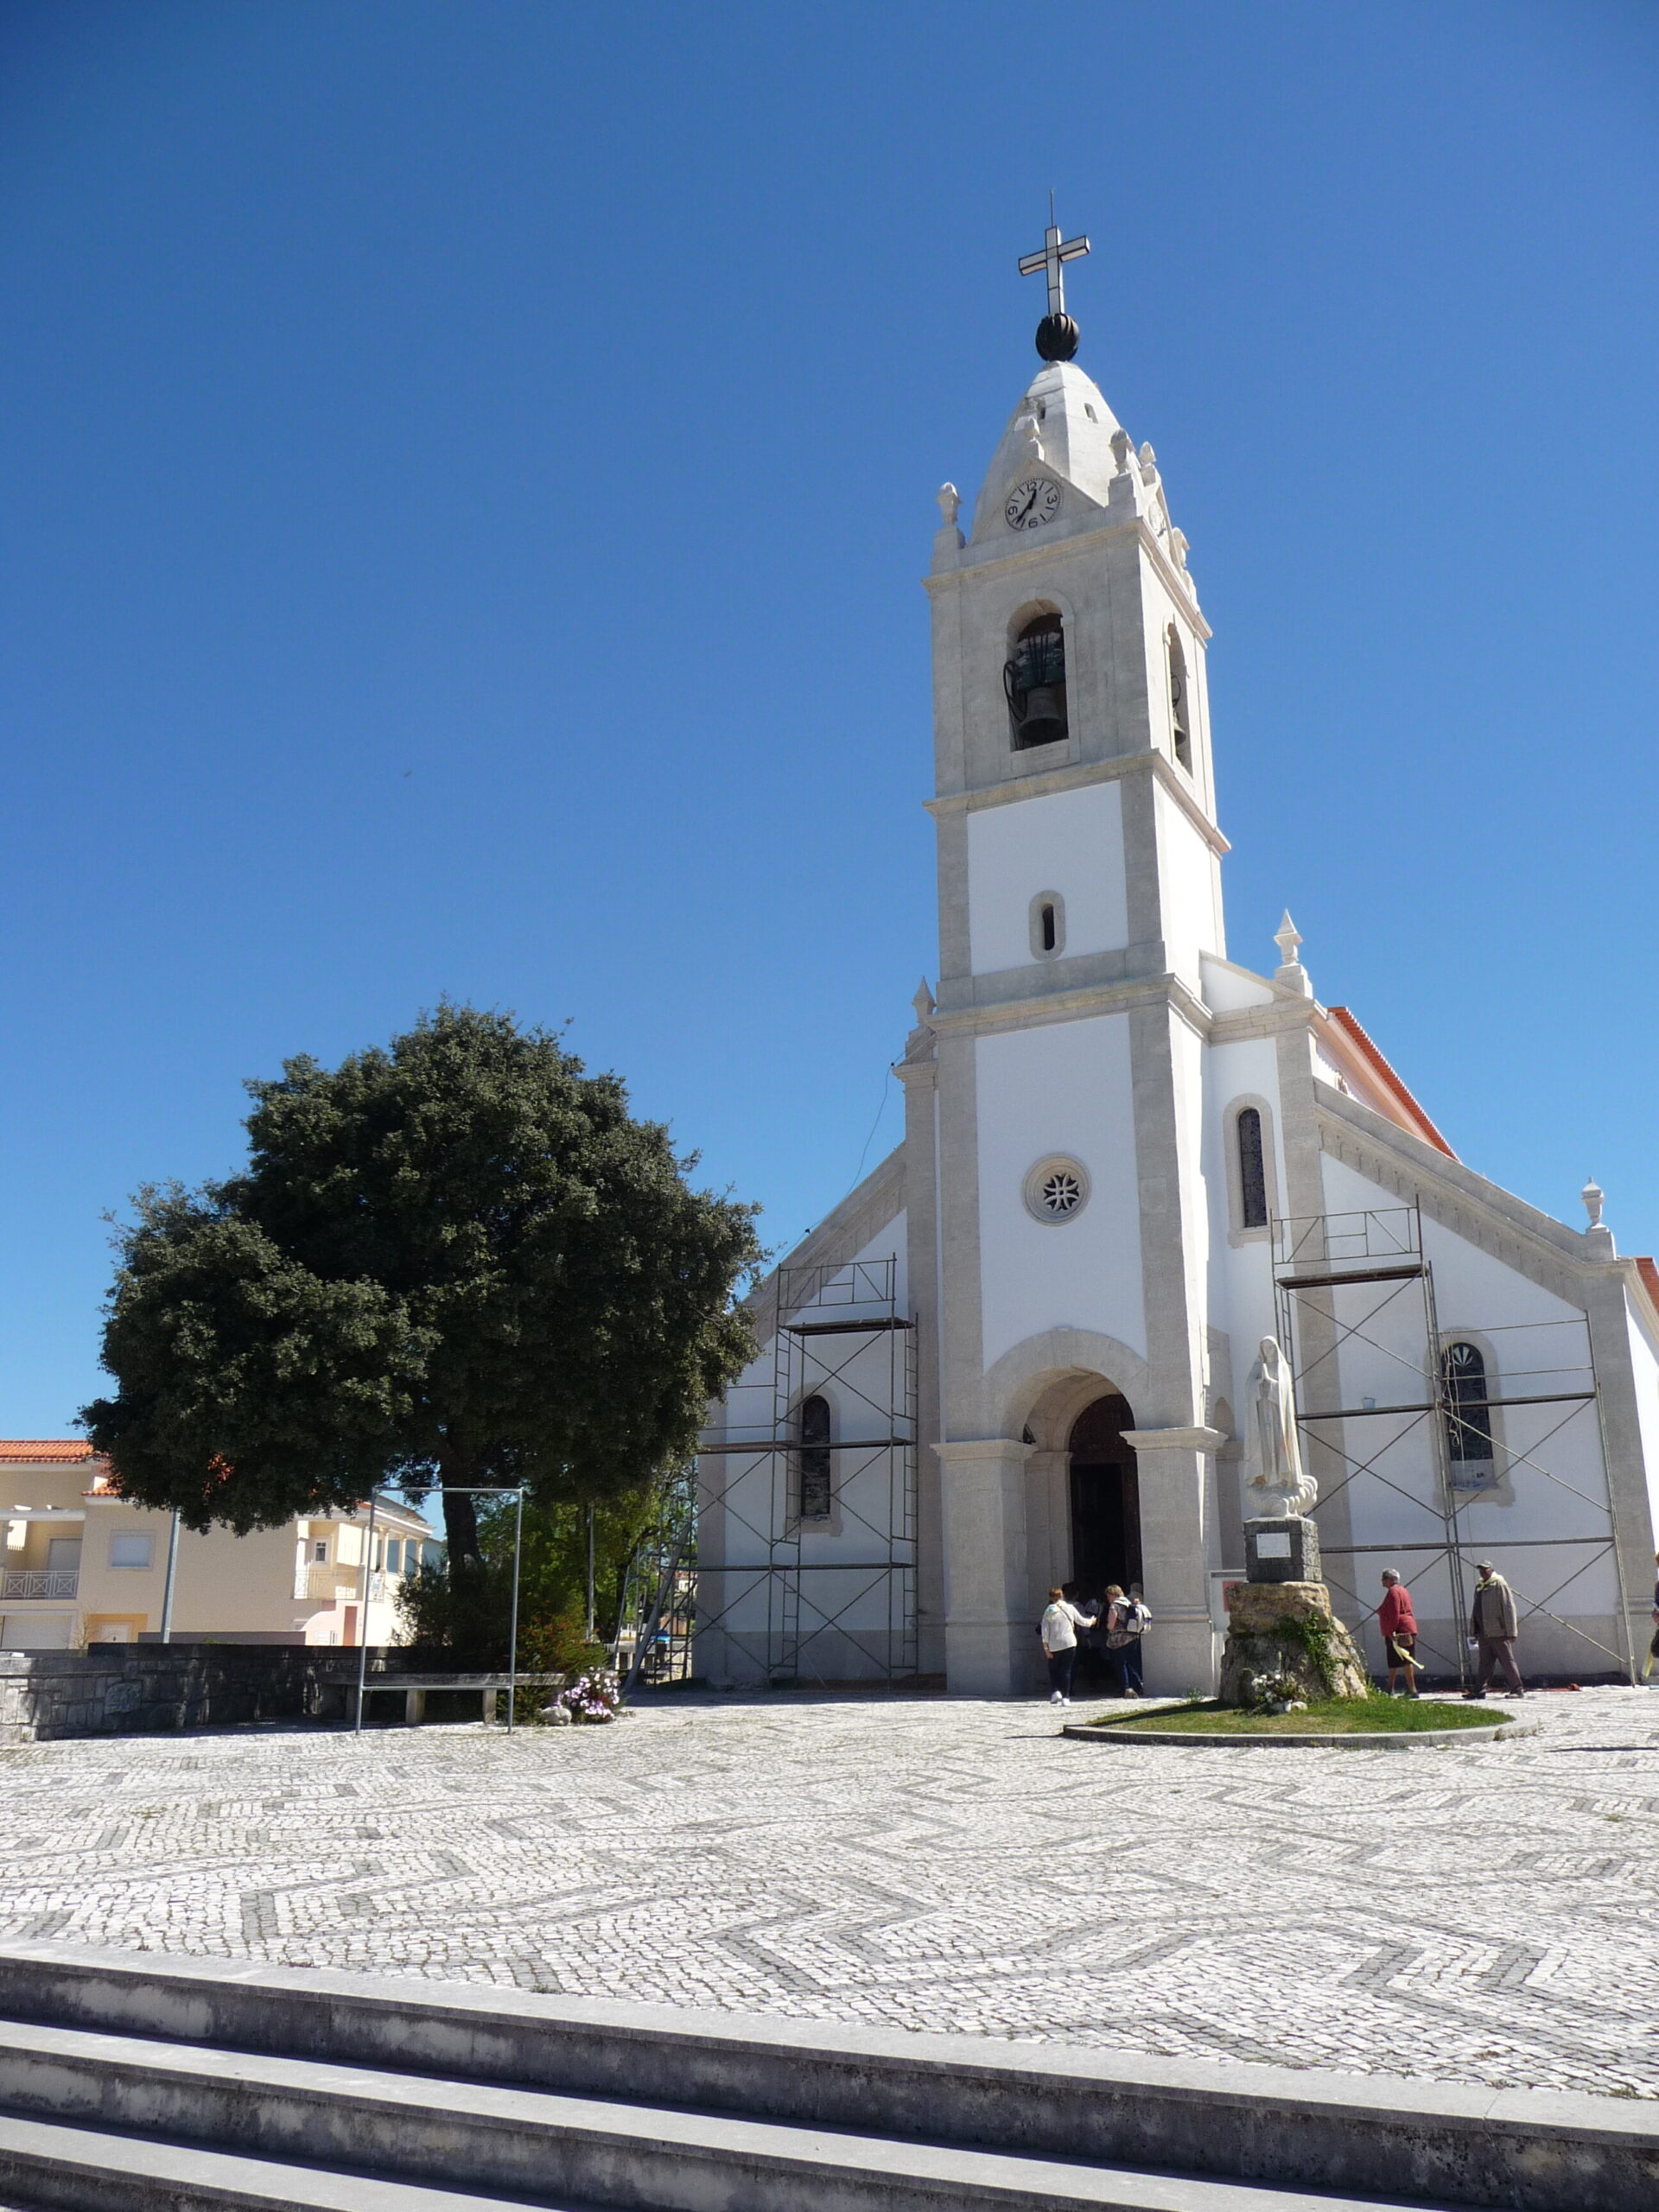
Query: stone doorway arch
{"points": [[1103, 1495]]}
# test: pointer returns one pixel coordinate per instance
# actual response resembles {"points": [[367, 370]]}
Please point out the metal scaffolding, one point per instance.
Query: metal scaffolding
{"points": [[655, 1617], [1355, 1298], [832, 1597]]}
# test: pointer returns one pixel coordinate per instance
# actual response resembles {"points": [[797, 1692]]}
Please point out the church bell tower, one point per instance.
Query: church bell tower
{"points": [[1055, 1083]]}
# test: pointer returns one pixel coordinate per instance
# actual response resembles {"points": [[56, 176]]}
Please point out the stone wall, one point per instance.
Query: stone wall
{"points": [[149, 1689]]}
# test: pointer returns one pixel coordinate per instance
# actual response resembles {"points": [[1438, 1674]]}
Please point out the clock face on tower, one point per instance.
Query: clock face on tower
{"points": [[1032, 503]]}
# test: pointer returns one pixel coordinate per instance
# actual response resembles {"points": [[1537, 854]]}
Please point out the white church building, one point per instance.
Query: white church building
{"points": [[1014, 1355]]}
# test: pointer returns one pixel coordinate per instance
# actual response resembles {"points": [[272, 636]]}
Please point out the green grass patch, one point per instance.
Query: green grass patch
{"points": [[1371, 1716]]}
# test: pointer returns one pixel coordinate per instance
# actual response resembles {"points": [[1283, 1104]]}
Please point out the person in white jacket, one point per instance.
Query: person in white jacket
{"points": [[1061, 1621]]}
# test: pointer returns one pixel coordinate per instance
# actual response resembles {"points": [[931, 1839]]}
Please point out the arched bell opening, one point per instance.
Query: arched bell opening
{"points": [[1180, 710], [1034, 678]]}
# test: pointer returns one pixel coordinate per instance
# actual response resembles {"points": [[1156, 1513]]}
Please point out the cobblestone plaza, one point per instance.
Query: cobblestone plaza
{"points": [[1487, 1913]]}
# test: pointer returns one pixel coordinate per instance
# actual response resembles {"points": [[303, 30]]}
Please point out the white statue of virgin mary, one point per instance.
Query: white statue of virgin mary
{"points": [[1276, 1482]]}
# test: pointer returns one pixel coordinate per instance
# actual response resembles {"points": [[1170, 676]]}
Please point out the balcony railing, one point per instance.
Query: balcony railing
{"points": [[38, 1582], [342, 1586]]}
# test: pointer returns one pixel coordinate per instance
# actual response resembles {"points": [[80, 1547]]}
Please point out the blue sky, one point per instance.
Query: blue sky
{"points": [[467, 472]]}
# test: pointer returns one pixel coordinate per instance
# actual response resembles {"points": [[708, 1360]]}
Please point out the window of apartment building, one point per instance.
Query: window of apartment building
{"points": [[132, 1550], [320, 1552], [394, 1555]]}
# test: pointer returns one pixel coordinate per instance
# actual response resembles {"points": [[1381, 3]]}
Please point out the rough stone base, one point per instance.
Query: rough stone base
{"points": [[1263, 1638]]}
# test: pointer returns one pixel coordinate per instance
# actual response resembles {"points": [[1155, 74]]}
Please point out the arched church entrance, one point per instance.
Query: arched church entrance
{"points": [[1105, 1498]]}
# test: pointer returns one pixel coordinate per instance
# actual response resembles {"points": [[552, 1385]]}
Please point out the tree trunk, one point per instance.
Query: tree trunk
{"points": [[474, 1630], [460, 1529]]}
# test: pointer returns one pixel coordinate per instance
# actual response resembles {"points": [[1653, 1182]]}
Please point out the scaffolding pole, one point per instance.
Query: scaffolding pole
{"points": [[1378, 1254], [793, 1606]]}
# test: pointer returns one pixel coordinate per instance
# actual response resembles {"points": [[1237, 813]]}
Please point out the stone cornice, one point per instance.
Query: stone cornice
{"points": [[1077, 1005], [1077, 775], [986, 1447], [1174, 1440], [1289, 1012], [1456, 1198], [844, 1231], [1028, 554], [1017, 558]]}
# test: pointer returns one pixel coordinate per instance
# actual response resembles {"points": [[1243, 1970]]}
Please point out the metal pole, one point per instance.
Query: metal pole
{"points": [[590, 1574], [512, 1633], [1612, 1510], [172, 1578], [1440, 1459], [363, 1618]]}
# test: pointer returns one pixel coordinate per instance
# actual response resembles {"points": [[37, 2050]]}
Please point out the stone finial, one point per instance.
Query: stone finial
{"points": [[1598, 1236], [1122, 447], [1179, 543], [1148, 463], [1290, 972], [923, 1002], [949, 501]]}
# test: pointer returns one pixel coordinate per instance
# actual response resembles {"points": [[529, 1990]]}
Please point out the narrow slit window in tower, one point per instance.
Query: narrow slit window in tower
{"points": [[1048, 933]]}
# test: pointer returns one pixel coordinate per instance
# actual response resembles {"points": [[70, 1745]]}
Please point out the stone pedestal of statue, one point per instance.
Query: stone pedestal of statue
{"points": [[1287, 1633], [1285, 1548]]}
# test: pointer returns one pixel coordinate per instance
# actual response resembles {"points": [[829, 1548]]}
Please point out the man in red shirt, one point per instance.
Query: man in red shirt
{"points": [[1398, 1625]]}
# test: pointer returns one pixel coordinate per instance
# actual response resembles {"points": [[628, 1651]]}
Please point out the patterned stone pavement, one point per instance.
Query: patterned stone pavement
{"points": [[1488, 1913]]}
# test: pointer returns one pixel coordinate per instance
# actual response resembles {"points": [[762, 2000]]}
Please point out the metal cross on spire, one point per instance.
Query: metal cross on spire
{"points": [[1050, 258]]}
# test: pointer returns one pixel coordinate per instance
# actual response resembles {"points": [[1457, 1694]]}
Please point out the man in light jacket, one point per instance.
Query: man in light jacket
{"points": [[1494, 1623]]}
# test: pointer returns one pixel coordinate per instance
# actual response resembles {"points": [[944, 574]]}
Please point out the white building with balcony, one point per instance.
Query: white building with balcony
{"points": [[82, 1566]]}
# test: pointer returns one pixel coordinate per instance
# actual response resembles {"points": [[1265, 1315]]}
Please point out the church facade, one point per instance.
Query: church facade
{"points": [[1016, 1355]]}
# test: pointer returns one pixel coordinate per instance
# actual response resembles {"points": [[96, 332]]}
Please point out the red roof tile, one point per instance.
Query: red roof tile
{"points": [[1417, 1121], [37, 1448]]}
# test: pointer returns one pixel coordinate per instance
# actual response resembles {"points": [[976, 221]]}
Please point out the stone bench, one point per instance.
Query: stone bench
{"points": [[415, 1689]]}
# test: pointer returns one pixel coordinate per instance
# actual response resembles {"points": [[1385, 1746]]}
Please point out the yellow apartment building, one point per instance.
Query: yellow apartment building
{"points": [[82, 1566]]}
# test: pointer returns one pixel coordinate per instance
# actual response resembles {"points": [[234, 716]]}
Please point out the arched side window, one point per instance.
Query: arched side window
{"points": [[1247, 1160], [1180, 712], [814, 1457], [1468, 1417], [1048, 925], [1033, 677], [1252, 1169]]}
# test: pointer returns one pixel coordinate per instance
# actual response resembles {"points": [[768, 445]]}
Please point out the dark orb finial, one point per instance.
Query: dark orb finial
{"points": [[1057, 337]]}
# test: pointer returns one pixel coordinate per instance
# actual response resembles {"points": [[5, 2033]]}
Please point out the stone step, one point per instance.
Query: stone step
{"points": [[615, 2071], [87, 2169], [538, 2146]]}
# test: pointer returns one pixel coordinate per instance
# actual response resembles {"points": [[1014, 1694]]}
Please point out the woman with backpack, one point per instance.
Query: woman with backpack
{"points": [[1126, 1623]]}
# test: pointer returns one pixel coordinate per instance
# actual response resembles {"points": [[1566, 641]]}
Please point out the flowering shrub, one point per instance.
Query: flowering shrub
{"points": [[1268, 1693], [593, 1697]]}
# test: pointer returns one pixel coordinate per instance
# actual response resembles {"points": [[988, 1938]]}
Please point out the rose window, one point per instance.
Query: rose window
{"points": [[1057, 1188], [1061, 1191]]}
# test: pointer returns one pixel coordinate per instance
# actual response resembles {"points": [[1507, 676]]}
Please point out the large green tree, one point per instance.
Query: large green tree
{"points": [[460, 1260]]}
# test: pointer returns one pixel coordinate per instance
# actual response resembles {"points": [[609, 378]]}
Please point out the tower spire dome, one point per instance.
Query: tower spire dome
{"points": [[1058, 336]]}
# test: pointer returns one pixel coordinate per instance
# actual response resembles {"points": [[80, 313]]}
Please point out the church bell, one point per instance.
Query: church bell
{"points": [[1034, 681]]}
